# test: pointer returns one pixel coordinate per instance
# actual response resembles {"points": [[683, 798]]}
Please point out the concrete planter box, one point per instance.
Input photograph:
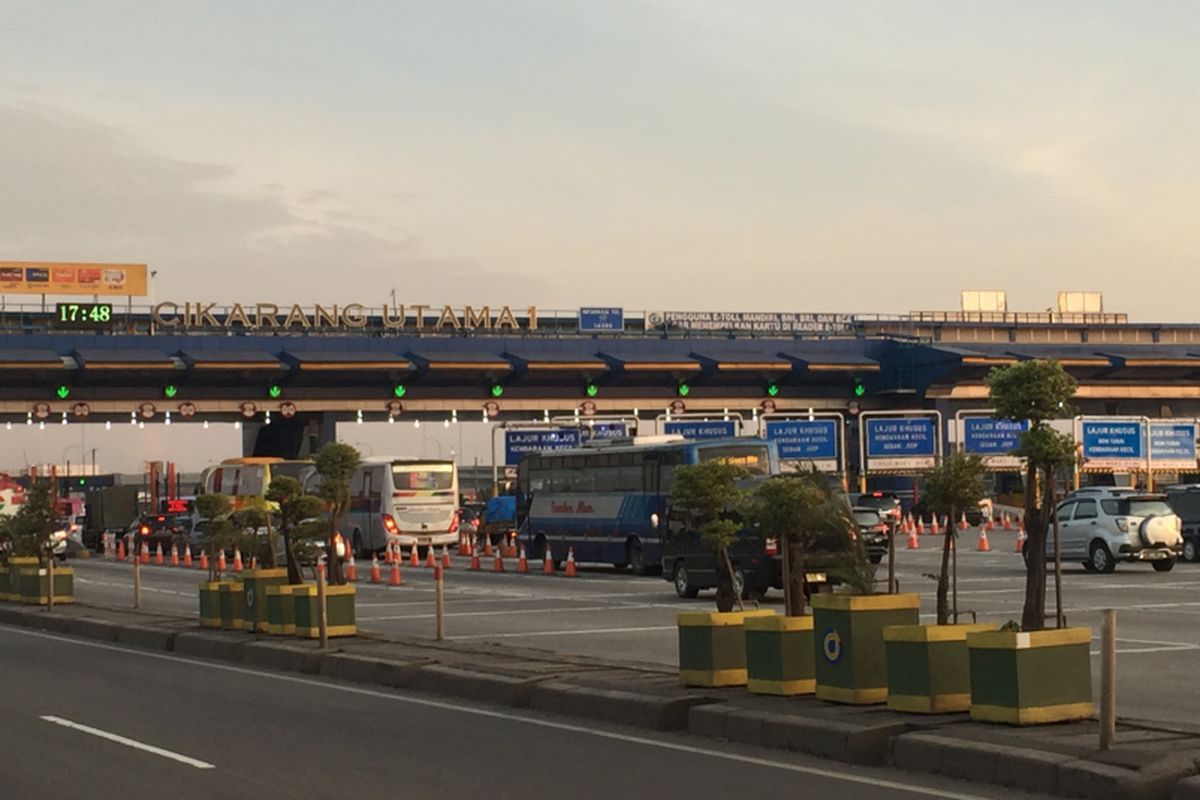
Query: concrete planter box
{"points": [[712, 647], [35, 585], [1031, 678], [210, 604], [10, 577], [232, 605], [255, 583], [851, 664], [927, 667], [281, 610], [339, 610], [779, 655], [5, 594]]}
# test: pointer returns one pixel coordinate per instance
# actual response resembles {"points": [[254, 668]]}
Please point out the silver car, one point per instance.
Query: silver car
{"points": [[1099, 531]]}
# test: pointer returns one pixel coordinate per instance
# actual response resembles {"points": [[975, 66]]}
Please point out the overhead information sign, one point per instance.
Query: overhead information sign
{"points": [[601, 320], [695, 429], [900, 443], [994, 439], [812, 441], [1173, 445], [520, 443], [606, 430], [53, 277], [1112, 444], [751, 322]]}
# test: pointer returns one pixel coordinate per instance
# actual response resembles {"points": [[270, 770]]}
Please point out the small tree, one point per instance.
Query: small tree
{"points": [[335, 463], [950, 489], [296, 509], [248, 520], [31, 529], [807, 517], [706, 494], [218, 532], [1038, 391]]}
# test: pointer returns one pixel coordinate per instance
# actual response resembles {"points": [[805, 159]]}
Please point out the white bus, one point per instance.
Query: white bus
{"points": [[402, 500]]}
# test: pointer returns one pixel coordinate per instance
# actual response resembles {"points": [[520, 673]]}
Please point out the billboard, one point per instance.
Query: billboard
{"points": [[1173, 445], [47, 277], [812, 441], [994, 439], [1112, 444], [520, 443], [601, 320], [695, 429], [900, 443]]}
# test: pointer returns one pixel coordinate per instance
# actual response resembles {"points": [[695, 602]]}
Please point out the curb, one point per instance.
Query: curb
{"points": [[1187, 789], [833, 739]]}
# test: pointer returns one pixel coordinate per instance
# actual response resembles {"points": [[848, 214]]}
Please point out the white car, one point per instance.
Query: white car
{"points": [[1100, 530]]}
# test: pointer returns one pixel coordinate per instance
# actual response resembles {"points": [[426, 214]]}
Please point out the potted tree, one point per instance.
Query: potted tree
{"points": [[217, 608], [805, 517], [1029, 674], [300, 529], [927, 665], [255, 524], [31, 537], [712, 646]]}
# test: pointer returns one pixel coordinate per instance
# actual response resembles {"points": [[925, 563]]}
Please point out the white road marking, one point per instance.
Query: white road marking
{"points": [[580, 632], [506, 612], [136, 745], [773, 763]]}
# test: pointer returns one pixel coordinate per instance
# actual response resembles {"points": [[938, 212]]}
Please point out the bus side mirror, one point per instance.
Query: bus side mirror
{"points": [[654, 520]]}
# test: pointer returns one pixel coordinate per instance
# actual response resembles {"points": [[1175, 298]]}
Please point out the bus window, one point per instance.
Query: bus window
{"points": [[423, 478], [216, 481], [754, 459]]}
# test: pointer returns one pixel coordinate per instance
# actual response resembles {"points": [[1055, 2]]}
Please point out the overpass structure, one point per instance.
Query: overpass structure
{"points": [[307, 368]]}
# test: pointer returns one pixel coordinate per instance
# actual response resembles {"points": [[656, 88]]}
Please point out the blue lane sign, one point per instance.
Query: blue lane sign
{"points": [[694, 429], [1173, 445], [599, 320], [520, 443], [606, 430], [901, 442], [1112, 444], [806, 440], [985, 436]]}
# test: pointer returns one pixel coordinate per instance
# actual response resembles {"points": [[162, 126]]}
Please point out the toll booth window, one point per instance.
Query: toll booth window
{"points": [[753, 459]]}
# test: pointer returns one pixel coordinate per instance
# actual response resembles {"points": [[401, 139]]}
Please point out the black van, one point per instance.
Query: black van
{"points": [[691, 565], [1185, 500]]}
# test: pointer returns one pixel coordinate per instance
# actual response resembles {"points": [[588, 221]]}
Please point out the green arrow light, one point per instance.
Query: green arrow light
{"points": [[171, 390], [275, 391], [400, 390], [684, 390], [859, 388], [497, 390], [592, 390], [63, 392], [773, 390]]}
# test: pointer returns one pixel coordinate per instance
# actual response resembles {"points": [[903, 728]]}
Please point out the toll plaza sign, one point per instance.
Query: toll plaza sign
{"points": [[605, 430], [695, 429], [1112, 444], [520, 443], [994, 440], [900, 443], [1173, 445], [811, 441]]}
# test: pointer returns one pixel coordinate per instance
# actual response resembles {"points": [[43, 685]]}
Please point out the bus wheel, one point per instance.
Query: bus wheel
{"points": [[683, 584], [635, 558], [538, 552]]}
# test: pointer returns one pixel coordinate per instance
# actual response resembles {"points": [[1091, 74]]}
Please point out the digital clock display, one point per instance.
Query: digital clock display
{"points": [[83, 315]]}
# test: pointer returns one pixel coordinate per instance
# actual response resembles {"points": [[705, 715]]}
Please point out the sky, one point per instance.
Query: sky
{"points": [[657, 155]]}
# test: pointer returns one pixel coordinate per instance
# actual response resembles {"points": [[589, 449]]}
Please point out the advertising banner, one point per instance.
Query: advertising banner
{"points": [[61, 278]]}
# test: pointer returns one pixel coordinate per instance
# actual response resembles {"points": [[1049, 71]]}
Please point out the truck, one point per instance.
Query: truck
{"points": [[109, 510]]}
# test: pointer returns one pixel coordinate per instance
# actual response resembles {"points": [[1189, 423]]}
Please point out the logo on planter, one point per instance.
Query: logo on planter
{"points": [[249, 598], [831, 646]]}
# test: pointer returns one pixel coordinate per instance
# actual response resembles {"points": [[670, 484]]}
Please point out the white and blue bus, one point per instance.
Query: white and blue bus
{"points": [[608, 500]]}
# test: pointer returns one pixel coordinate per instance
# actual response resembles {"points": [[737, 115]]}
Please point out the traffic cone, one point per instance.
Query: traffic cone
{"points": [[394, 576], [522, 563], [253, 562], [203, 564], [388, 554], [498, 564], [1006, 522], [510, 547], [464, 544], [487, 546], [962, 522], [237, 560], [120, 549], [920, 527], [145, 556], [570, 570], [221, 565], [351, 571], [913, 542], [413, 558], [174, 555], [430, 558], [935, 528], [446, 562], [376, 577], [548, 562], [158, 556], [187, 556], [1021, 536], [475, 565], [984, 546]]}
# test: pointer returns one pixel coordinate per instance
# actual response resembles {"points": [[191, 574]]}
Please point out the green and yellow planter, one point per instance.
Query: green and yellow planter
{"points": [[10, 579], [928, 671], [339, 610], [281, 610], [712, 647], [210, 604], [5, 592], [232, 605], [1031, 678], [779, 655], [34, 582], [851, 663], [255, 582]]}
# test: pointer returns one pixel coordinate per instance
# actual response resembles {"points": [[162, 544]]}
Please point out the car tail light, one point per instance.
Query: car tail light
{"points": [[144, 530], [389, 524], [772, 546], [880, 529]]}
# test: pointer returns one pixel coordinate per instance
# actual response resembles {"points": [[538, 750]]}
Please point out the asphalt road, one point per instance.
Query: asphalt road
{"points": [[87, 720], [602, 613]]}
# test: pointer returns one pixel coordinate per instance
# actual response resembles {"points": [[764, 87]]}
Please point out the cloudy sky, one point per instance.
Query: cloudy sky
{"points": [[666, 154]]}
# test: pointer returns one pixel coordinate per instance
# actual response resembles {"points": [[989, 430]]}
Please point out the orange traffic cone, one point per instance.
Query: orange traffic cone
{"points": [[187, 555], [237, 560], [510, 547], [174, 555], [203, 563], [522, 563], [388, 554], [413, 558], [221, 565], [351, 571], [430, 558], [253, 562], [934, 527], [548, 562], [1021, 536], [394, 576], [376, 577], [570, 570], [145, 556], [120, 550], [487, 546], [464, 544], [475, 565], [920, 527], [498, 564], [962, 522], [913, 542], [446, 562], [984, 546], [158, 556], [1006, 522]]}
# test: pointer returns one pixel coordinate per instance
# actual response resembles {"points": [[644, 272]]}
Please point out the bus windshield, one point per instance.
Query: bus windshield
{"points": [[754, 458], [423, 477]]}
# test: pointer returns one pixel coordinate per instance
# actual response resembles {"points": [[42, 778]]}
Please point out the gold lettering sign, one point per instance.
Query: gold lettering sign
{"points": [[352, 316]]}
